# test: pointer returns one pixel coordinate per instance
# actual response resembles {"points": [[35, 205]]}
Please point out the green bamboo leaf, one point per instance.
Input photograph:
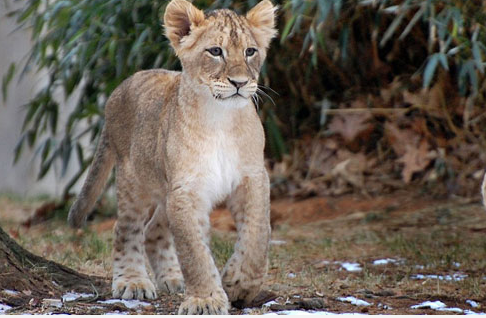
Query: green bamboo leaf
{"points": [[31, 111], [138, 43], [413, 21], [473, 77], [65, 154], [80, 153], [337, 5], [275, 138], [46, 149], [430, 69], [395, 23], [287, 29], [46, 166], [443, 61], [54, 114], [31, 137], [343, 42], [478, 58], [324, 7], [18, 148], [7, 78], [28, 11]]}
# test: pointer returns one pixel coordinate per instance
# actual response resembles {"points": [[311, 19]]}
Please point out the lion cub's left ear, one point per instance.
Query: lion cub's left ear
{"points": [[180, 18], [262, 18]]}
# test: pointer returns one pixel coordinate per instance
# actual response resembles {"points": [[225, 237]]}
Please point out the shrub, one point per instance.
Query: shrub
{"points": [[328, 50]]}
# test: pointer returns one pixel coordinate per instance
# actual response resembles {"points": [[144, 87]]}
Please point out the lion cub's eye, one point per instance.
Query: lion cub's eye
{"points": [[250, 51], [215, 51]]}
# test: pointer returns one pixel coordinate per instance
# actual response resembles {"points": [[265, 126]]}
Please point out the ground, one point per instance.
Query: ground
{"points": [[323, 256]]}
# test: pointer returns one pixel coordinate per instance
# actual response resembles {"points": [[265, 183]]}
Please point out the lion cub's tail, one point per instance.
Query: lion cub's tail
{"points": [[98, 174]]}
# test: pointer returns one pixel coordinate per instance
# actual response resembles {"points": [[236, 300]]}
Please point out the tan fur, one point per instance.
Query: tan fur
{"points": [[183, 142]]}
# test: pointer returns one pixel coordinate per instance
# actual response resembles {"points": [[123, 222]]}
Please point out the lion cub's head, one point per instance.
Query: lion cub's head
{"points": [[221, 50]]}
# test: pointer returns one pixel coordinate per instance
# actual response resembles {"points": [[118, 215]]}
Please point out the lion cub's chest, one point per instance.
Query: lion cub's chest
{"points": [[220, 167]]}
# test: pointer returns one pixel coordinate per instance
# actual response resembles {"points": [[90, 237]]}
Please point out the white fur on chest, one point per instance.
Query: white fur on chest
{"points": [[220, 167]]}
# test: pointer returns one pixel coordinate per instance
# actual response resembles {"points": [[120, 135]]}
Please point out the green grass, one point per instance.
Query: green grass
{"points": [[222, 249], [83, 250]]}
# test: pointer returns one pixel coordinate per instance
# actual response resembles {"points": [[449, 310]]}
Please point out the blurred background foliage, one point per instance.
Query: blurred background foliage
{"points": [[378, 92]]}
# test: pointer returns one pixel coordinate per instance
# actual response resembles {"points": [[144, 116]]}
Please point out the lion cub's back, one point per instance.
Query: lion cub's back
{"points": [[138, 105]]}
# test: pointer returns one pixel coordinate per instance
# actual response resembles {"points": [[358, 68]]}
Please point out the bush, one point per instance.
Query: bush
{"points": [[329, 51]]}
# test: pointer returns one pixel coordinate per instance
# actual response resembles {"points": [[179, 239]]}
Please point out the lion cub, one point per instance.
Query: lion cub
{"points": [[183, 142]]}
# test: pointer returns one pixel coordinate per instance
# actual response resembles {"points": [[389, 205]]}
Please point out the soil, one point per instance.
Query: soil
{"points": [[293, 221]]}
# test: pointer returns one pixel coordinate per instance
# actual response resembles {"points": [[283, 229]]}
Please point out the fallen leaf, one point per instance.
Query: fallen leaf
{"points": [[400, 139], [416, 159], [351, 170], [351, 125]]}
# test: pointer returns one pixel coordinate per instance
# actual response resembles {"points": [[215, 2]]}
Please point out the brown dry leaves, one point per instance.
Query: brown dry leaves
{"points": [[380, 143], [413, 150]]}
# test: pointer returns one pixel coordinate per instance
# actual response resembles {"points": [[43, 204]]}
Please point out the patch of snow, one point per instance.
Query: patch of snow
{"points": [[74, 296], [419, 266], [117, 313], [440, 306], [247, 311], [269, 303], [430, 304], [4, 308], [277, 242], [131, 303], [456, 264], [351, 267], [384, 306], [291, 275], [354, 301], [50, 302], [470, 312], [10, 292], [472, 303], [453, 277], [453, 309], [302, 312], [385, 261], [289, 312], [326, 263]]}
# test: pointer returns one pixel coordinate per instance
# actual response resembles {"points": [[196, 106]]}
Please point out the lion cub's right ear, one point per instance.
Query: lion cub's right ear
{"points": [[179, 19]]}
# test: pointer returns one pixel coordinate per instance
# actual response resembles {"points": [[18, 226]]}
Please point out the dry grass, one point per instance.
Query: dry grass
{"points": [[443, 239]]}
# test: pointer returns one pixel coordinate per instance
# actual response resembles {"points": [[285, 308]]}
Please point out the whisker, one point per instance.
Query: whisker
{"points": [[269, 88], [266, 95], [254, 97]]}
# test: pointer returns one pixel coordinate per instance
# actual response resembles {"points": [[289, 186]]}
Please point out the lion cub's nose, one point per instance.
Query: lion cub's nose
{"points": [[238, 82]]}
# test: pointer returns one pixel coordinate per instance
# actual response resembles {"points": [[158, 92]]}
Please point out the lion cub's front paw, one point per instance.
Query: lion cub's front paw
{"points": [[135, 288], [241, 288], [217, 304], [172, 285]]}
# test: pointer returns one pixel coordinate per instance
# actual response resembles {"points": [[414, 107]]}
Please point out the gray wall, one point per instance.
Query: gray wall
{"points": [[21, 178]]}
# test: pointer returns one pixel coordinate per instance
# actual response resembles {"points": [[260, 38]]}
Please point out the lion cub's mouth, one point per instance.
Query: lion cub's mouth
{"points": [[234, 96]]}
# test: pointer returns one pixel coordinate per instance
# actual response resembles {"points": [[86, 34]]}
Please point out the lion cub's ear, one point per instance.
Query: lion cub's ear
{"points": [[179, 18], [262, 18]]}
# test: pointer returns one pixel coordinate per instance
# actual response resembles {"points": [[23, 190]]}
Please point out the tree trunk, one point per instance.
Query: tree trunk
{"points": [[36, 277]]}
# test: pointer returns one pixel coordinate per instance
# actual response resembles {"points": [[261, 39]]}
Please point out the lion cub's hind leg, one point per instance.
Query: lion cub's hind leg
{"points": [[160, 249], [130, 278]]}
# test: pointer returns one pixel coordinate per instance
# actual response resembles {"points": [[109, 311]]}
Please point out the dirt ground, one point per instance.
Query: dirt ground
{"points": [[350, 254]]}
